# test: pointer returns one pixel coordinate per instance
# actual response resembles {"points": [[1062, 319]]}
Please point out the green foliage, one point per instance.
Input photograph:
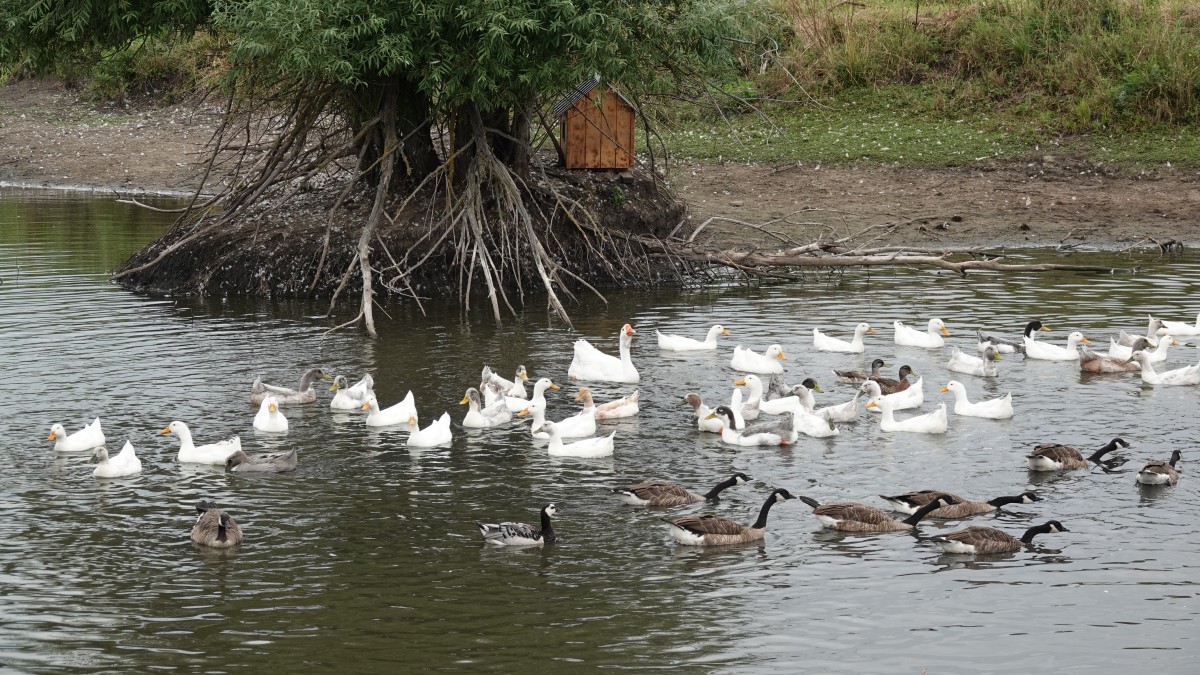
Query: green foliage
{"points": [[42, 35], [490, 53]]}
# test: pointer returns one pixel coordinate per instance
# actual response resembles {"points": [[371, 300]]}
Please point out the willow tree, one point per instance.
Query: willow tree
{"points": [[438, 98]]}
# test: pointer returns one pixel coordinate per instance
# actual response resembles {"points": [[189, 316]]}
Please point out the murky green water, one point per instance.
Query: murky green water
{"points": [[366, 560]]}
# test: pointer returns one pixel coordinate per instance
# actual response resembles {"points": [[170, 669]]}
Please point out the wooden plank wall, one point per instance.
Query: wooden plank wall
{"points": [[599, 137]]}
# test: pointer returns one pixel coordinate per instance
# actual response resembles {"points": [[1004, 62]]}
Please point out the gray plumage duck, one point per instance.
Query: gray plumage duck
{"points": [[304, 393], [274, 462]]}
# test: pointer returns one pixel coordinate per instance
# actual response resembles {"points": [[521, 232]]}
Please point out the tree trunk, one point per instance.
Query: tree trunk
{"points": [[522, 117]]}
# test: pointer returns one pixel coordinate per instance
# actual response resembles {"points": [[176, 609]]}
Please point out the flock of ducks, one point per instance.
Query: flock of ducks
{"points": [[793, 412]]}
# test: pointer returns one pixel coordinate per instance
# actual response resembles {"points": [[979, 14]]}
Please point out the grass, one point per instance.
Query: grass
{"points": [[1117, 81]]}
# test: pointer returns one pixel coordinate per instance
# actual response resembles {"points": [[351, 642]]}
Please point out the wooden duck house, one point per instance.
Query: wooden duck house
{"points": [[596, 127]]}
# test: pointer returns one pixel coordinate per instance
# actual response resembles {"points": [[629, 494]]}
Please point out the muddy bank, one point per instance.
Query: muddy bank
{"points": [[49, 137]]}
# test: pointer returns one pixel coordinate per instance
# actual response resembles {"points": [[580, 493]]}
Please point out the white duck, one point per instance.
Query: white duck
{"points": [[483, 418], [911, 337], [1048, 352], [348, 397], [126, 463], [91, 436], [1156, 355], [1180, 328], [750, 406], [995, 409], [404, 412], [701, 411], [732, 434], [514, 387], [537, 400], [269, 418], [968, 364], [826, 343], [929, 423], [599, 446], [678, 343], [592, 364], [1187, 375], [581, 425], [437, 433], [800, 393], [842, 412], [211, 453], [626, 406], [809, 424], [750, 361], [516, 404], [913, 397]]}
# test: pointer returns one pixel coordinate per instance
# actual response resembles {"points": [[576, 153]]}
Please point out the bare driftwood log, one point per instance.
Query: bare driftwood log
{"points": [[840, 252]]}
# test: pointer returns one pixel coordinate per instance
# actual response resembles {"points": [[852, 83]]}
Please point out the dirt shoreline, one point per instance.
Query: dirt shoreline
{"points": [[49, 138]]}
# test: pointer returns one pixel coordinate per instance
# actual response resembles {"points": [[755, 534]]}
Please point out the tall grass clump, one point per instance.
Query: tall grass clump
{"points": [[157, 69], [1082, 64]]}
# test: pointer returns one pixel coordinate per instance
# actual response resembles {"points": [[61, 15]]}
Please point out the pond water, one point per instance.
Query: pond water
{"points": [[365, 559]]}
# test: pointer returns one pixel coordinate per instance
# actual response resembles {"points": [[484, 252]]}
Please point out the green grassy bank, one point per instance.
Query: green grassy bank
{"points": [[945, 84]]}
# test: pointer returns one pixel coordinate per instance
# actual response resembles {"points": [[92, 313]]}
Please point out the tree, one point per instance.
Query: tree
{"points": [[378, 81]]}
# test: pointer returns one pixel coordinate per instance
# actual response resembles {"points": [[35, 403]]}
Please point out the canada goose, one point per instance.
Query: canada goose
{"points": [[910, 502], [858, 376], [520, 534], [1005, 345], [1058, 457], [1160, 472], [662, 493], [990, 540], [274, 462], [301, 394], [713, 530], [854, 517], [214, 527], [889, 386]]}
